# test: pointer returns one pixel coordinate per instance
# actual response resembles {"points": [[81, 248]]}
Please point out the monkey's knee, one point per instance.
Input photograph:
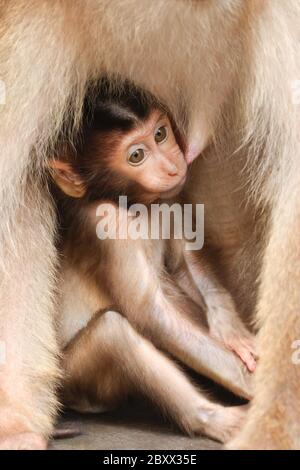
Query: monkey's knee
{"points": [[102, 384], [113, 319], [115, 328]]}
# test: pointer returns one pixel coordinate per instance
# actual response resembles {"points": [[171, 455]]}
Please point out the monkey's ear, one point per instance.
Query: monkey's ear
{"points": [[67, 179]]}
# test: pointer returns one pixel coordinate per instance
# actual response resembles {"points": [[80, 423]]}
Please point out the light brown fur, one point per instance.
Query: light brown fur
{"points": [[102, 365], [236, 86], [106, 362], [106, 357]]}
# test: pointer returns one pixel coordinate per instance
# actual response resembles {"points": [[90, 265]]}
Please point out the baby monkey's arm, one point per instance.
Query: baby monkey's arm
{"points": [[222, 317]]}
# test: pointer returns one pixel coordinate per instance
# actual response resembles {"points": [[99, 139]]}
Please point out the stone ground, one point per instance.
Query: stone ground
{"points": [[137, 425]]}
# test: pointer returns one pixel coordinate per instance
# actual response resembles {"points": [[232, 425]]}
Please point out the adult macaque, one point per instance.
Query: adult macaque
{"points": [[127, 147], [232, 66]]}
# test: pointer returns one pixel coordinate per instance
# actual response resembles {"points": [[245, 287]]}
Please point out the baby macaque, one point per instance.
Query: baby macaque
{"points": [[126, 301]]}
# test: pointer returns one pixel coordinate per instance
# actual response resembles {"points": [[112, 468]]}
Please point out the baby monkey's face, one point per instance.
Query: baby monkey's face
{"points": [[150, 156], [145, 160]]}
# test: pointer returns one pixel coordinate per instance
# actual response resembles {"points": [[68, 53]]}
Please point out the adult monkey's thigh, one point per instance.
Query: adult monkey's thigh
{"points": [[250, 188], [29, 113], [276, 404]]}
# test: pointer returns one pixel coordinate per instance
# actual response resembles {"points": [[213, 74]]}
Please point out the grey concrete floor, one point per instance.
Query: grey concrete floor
{"points": [[135, 426], [138, 425]]}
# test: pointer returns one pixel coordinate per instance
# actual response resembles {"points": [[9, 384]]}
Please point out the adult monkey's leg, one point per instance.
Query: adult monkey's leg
{"points": [[274, 418], [273, 421], [31, 112], [28, 364]]}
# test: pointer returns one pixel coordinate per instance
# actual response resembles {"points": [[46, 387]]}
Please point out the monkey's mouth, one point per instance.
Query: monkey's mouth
{"points": [[175, 190]]}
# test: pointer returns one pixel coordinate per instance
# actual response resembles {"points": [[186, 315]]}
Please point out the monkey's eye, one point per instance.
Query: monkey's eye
{"points": [[137, 157], [161, 134]]}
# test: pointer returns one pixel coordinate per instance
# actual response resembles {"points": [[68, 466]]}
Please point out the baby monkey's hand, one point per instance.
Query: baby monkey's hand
{"points": [[235, 336]]}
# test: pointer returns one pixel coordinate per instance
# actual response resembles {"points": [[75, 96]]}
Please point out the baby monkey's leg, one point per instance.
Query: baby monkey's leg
{"points": [[108, 359], [223, 319], [141, 289]]}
